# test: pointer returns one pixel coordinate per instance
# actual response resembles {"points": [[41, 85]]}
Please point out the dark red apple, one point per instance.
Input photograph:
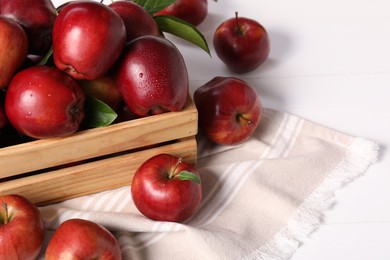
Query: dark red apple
{"points": [[3, 117], [13, 49], [152, 76], [88, 38], [192, 11], [229, 110], [21, 228], [104, 89], [166, 188], [36, 17], [43, 102], [242, 44], [137, 20], [82, 239]]}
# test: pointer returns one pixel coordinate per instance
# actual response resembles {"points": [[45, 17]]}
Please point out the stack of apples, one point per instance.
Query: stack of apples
{"points": [[54, 59], [58, 63]]}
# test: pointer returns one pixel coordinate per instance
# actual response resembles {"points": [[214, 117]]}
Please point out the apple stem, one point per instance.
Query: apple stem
{"points": [[238, 25], [173, 172], [6, 213], [242, 120]]}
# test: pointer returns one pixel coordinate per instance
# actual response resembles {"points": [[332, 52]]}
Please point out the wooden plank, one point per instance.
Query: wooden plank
{"points": [[96, 142], [92, 177]]}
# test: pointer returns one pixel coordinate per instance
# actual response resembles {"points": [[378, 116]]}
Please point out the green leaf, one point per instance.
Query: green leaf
{"points": [[182, 29], [188, 176], [98, 113], [47, 57], [153, 6]]}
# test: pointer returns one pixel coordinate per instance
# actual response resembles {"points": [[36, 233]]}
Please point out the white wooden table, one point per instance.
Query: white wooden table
{"points": [[330, 63]]}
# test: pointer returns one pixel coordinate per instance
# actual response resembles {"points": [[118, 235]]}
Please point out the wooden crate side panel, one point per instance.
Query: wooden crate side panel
{"points": [[88, 178]]}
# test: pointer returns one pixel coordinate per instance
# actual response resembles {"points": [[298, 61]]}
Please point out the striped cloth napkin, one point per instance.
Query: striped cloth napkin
{"points": [[261, 199]]}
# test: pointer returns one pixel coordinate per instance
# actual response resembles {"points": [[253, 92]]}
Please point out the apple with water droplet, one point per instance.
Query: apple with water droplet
{"points": [[43, 102], [152, 76]]}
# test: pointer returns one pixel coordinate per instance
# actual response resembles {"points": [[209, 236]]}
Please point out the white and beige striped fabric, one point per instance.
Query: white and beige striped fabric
{"points": [[260, 199]]}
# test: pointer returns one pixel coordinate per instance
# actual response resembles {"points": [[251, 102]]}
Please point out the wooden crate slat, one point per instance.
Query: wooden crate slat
{"points": [[92, 177]]}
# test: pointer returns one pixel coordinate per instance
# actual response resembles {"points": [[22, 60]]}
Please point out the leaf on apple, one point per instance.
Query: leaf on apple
{"points": [[47, 58], [182, 29], [98, 113], [153, 6], [188, 176]]}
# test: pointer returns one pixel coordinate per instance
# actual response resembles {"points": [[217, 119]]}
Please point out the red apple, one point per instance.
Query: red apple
{"points": [[137, 20], [229, 110], [242, 44], [36, 17], [166, 188], [82, 239], [13, 49], [88, 38], [152, 76], [192, 11], [21, 228], [44, 102], [104, 89]]}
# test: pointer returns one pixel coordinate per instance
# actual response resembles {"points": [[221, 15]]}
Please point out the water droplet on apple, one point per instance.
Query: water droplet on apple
{"points": [[141, 75]]}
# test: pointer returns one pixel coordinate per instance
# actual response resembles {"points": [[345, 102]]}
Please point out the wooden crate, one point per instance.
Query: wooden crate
{"points": [[97, 159]]}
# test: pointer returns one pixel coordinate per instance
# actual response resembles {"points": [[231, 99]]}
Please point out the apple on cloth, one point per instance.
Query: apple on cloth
{"points": [[21, 228], [260, 197]]}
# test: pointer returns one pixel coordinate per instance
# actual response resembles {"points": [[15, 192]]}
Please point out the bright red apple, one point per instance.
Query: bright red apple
{"points": [[36, 17], [88, 38], [242, 44], [192, 11], [166, 188], [152, 76], [13, 49], [82, 239], [43, 102], [137, 20], [21, 228], [229, 110]]}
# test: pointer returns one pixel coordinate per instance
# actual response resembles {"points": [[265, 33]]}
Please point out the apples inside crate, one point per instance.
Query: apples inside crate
{"points": [[94, 160]]}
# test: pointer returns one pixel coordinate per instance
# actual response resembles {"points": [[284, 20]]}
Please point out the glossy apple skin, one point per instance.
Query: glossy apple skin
{"points": [[159, 197], [43, 102], [152, 76], [244, 49], [192, 11], [137, 20], [78, 239], [13, 49], [229, 110], [22, 237], [36, 17], [88, 38]]}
